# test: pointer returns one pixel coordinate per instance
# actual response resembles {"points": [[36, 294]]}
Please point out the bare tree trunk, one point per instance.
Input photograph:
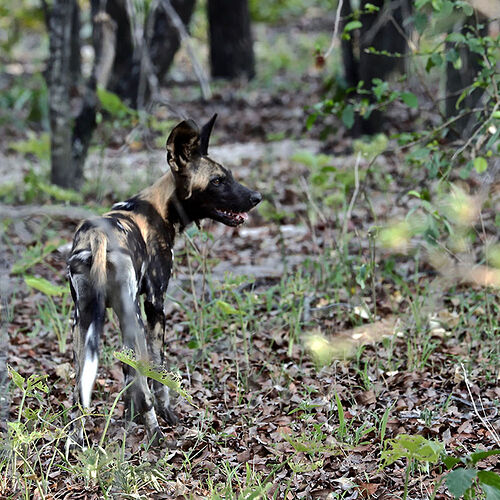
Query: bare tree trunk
{"points": [[231, 48], [379, 31], [104, 41], [125, 75], [165, 40], [459, 79], [59, 81], [162, 44], [70, 138]]}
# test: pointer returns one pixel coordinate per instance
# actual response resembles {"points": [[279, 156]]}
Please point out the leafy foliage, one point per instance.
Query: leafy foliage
{"points": [[171, 380]]}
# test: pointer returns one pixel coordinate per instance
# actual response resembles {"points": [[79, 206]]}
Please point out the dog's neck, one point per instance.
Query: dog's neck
{"points": [[162, 196]]}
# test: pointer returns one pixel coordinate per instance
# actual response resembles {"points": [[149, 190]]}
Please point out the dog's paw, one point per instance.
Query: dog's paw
{"points": [[156, 437]]}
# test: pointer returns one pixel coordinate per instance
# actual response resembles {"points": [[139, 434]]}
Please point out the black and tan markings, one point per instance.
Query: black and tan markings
{"points": [[128, 252]]}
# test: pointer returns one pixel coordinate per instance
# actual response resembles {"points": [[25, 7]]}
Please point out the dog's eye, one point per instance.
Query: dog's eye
{"points": [[216, 181]]}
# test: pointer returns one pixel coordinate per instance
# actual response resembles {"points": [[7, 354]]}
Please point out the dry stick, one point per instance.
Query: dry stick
{"points": [[335, 29], [354, 196], [306, 189], [473, 136], [436, 130], [184, 36], [486, 424]]}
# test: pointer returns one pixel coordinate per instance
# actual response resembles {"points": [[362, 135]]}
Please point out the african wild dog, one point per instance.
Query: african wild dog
{"points": [[128, 252]]}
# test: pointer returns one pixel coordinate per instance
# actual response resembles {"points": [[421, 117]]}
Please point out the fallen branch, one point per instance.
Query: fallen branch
{"points": [[57, 211], [483, 420]]}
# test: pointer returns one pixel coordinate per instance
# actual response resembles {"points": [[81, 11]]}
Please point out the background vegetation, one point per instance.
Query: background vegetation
{"points": [[343, 344]]}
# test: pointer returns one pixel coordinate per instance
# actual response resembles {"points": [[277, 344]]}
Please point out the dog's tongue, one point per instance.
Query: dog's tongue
{"points": [[243, 215]]}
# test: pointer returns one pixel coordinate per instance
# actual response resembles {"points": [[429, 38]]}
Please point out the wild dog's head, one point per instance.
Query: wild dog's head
{"points": [[204, 188]]}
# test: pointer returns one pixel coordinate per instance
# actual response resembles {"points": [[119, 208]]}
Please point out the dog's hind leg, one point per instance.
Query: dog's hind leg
{"points": [[126, 305], [87, 329], [156, 342]]}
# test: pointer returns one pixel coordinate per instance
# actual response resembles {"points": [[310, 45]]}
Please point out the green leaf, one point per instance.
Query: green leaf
{"points": [[348, 116], [16, 377], [146, 369], [410, 99], [434, 60], [33, 256], [480, 164], [491, 492], [450, 461], [111, 103], [413, 448], [465, 6], [311, 119], [481, 455], [38, 146], [490, 483], [193, 344], [227, 308], [420, 21], [421, 3], [496, 114], [455, 37], [490, 478], [437, 5], [44, 286], [352, 25], [460, 480], [369, 7], [414, 193]]}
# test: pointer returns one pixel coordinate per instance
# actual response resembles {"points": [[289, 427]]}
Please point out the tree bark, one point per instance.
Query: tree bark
{"points": [[125, 75], [162, 45], [104, 41], [70, 138], [59, 81], [231, 47], [377, 31], [459, 79], [165, 41]]}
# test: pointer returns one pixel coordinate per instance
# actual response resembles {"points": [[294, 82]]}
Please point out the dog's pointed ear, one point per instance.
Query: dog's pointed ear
{"points": [[183, 144], [206, 130]]}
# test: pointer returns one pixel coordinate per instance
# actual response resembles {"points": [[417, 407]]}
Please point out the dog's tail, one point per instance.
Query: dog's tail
{"points": [[98, 271]]}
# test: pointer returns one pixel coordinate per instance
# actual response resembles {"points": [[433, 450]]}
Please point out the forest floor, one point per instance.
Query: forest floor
{"points": [[305, 342]]}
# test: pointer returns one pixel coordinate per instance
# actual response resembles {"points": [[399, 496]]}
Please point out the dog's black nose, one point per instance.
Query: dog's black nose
{"points": [[255, 198]]}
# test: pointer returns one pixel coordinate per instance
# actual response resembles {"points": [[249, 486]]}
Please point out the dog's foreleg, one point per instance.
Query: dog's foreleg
{"points": [[156, 342]]}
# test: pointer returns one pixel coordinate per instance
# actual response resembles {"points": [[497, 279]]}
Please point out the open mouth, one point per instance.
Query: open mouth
{"points": [[231, 218]]}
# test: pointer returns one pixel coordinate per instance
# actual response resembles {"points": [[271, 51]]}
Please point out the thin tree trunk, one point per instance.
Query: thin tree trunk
{"points": [[165, 40], [70, 138], [378, 31], [104, 41], [231, 48], [459, 79], [59, 81], [125, 75]]}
